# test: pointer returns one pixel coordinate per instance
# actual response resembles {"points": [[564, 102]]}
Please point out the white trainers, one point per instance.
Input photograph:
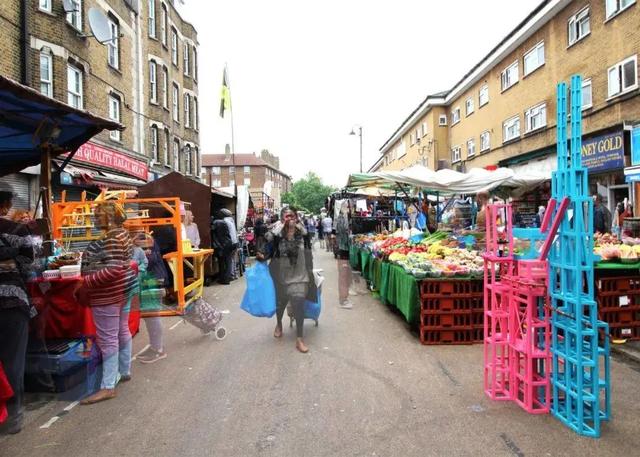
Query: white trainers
{"points": [[352, 292], [346, 305]]}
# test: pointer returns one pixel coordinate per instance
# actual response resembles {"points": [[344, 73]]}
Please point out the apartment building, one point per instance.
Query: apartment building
{"points": [[50, 46], [502, 112]]}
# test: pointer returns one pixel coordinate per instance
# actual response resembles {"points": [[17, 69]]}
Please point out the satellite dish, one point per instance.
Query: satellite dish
{"points": [[99, 25], [69, 6]]}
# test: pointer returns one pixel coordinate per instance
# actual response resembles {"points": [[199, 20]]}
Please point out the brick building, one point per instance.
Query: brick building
{"points": [[225, 170], [502, 112], [145, 77]]}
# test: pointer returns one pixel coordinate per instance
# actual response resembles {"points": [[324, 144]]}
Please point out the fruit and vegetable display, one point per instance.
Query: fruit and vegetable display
{"points": [[610, 248], [436, 255]]}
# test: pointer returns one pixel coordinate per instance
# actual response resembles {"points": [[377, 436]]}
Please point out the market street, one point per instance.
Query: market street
{"points": [[367, 388]]}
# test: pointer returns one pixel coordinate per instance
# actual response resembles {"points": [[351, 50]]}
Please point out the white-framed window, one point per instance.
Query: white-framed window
{"points": [[185, 56], [469, 106], [195, 113], [471, 147], [247, 169], [614, 7], [535, 117], [187, 110], [411, 140], [46, 74], [579, 25], [587, 94], [483, 95], [45, 5], [455, 115], [485, 141], [152, 18], [153, 81], [534, 59], [113, 45], [74, 87], [174, 46], [623, 76], [74, 18], [424, 129], [163, 24], [232, 170], [247, 181], [176, 155], [456, 154], [195, 63], [167, 154], [187, 160], [165, 87], [215, 171], [511, 129], [216, 182], [176, 103], [417, 135], [509, 76], [154, 144], [442, 120], [114, 115]]}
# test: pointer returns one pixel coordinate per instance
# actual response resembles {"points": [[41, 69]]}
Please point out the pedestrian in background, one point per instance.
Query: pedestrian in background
{"points": [[191, 230], [601, 216], [327, 230], [222, 245], [344, 269]]}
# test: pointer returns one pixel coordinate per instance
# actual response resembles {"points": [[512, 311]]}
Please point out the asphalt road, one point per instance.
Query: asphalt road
{"points": [[367, 388]]}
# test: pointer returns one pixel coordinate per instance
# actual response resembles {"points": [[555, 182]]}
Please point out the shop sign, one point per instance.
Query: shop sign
{"points": [[635, 146], [604, 152], [99, 155]]}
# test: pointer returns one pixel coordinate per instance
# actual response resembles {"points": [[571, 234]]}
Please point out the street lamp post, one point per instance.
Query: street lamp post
{"points": [[360, 135]]}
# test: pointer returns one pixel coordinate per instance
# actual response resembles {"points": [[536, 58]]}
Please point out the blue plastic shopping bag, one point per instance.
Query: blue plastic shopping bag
{"points": [[312, 309], [260, 297]]}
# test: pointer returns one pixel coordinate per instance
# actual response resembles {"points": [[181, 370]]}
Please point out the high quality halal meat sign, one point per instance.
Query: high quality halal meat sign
{"points": [[99, 155]]}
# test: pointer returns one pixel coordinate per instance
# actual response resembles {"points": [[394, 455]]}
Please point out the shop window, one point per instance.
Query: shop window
{"points": [[485, 141], [456, 154], [511, 129], [509, 76], [152, 18], [535, 118], [114, 115], [534, 59], [623, 77], [113, 45], [442, 120], [154, 144], [74, 87], [587, 94], [74, 17], [455, 116], [579, 26], [46, 74], [153, 81], [483, 95], [469, 106], [471, 147], [614, 7]]}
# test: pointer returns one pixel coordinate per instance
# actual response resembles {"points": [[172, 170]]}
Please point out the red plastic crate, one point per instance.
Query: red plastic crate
{"points": [[449, 336], [608, 303], [451, 287], [618, 285], [625, 332], [468, 319], [452, 304], [621, 316]]}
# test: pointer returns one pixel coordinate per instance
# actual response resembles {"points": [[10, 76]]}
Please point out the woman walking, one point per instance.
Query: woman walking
{"points": [[344, 269], [291, 268], [110, 280]]}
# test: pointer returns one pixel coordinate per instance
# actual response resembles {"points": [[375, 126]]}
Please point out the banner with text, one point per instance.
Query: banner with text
{"points": [[99, 155], [605, 152]]}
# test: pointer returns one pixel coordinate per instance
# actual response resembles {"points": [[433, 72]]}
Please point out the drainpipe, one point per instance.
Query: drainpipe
{"points": [[25, 63]]}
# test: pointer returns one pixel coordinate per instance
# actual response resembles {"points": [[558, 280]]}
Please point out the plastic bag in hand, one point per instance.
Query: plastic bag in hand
{"points": [[260, 297]]}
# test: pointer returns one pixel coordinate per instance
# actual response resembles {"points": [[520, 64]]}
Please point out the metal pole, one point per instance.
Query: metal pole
{"points": [[360, 128]]}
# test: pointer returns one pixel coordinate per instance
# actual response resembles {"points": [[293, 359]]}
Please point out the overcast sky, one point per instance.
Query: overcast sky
{"points": [[303, 73]]}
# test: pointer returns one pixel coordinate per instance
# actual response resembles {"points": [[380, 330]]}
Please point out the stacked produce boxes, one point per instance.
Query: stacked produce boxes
{"points": [[619, 305]]}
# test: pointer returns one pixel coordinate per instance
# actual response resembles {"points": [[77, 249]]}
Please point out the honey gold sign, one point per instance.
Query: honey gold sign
{"points": [[605, 152]]}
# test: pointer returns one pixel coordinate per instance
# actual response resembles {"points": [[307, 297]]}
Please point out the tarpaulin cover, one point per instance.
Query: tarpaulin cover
{"points": [[446, 182], [28, 119], [242, 202]]}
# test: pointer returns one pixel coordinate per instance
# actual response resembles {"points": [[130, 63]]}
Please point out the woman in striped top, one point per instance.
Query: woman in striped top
{"points": [[110, 279]]}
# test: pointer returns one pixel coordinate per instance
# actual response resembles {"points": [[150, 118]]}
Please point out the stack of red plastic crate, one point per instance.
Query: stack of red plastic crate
{"points": [[451, 311], [619, 305]]}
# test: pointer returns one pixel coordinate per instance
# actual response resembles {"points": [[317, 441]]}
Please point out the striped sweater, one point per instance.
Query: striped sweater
{"points": [[107, 271]]}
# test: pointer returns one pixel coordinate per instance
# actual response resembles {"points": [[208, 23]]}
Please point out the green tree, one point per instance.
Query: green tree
{"points": [[308, 194]]}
